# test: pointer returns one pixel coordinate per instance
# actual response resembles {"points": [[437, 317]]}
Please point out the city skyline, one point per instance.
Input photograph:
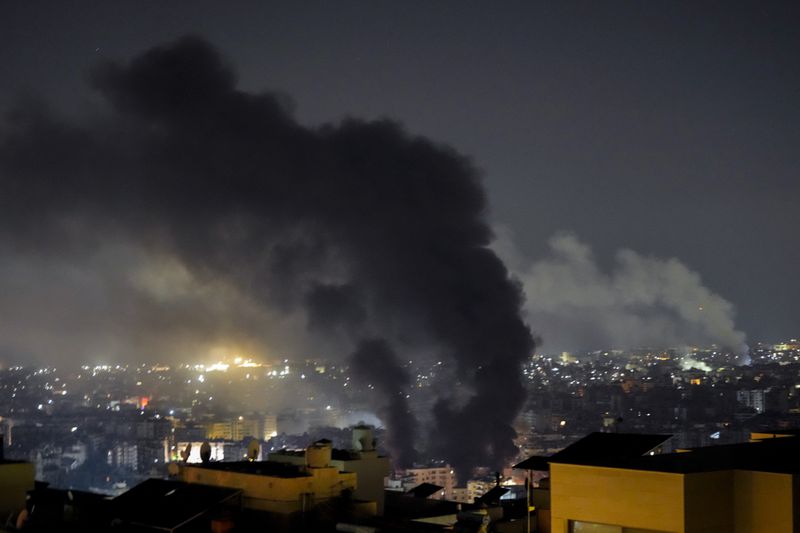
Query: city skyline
{"points": [[111, 426], [399, 266], [169, 206]]}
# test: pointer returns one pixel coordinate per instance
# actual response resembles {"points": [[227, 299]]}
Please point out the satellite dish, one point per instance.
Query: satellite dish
{"points": [[252, 450], [185, 453], [205, 452]]}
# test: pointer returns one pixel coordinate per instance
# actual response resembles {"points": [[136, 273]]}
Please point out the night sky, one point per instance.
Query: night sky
{"points": [[640, 160]]}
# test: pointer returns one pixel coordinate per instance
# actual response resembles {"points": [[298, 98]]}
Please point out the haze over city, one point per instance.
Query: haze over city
{"points": [[667, 133]]}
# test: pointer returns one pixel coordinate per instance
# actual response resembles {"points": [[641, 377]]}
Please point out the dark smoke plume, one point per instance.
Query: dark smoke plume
{"points": [[375, 363], [376, 237]]}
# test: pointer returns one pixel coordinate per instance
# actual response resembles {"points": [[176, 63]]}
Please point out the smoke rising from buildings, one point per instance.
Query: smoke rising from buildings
{"points": [[190, 213], [641, 301], [376, 364]]}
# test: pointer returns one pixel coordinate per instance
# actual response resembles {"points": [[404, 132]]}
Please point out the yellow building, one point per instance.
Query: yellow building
{"points": [[269, 427], [242, 427], [363, 460], [16, 479], [740, 488], [277, 487]]}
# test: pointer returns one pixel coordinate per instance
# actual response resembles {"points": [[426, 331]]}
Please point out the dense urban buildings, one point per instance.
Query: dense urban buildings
{"points": [[106, 429]]}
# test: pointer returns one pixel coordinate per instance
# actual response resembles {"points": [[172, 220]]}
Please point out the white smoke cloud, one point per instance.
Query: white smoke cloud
{"points": [[574, 304]]}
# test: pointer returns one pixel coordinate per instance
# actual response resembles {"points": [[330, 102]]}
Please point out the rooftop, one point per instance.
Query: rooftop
{"points": [[424, 490], [11, 462], [258, 468], [596, 446], [336, 454], [166, 504], [779, 455]]}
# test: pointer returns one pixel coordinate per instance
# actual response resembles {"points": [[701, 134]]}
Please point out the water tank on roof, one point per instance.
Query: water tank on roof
{"points": [[363, 440], [318, 455]]}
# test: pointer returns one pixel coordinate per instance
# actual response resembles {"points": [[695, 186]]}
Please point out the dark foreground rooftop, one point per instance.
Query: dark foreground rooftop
{"points": [[779, 455], [258, 468], [596, 446], [166, 505]]}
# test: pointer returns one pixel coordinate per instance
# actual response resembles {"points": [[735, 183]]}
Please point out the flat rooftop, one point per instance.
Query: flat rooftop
{"points": [[606, 446], [336, 454], [778, 455], [11, 462], [167, 504], [258, 468]]}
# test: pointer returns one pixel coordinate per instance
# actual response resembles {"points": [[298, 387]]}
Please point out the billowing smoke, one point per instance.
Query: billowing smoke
{"points": [[375, 363], [641, 301], [190, 213]]}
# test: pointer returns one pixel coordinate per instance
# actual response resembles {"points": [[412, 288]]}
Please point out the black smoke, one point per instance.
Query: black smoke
{"points": [[378, 238], [375, 363]]}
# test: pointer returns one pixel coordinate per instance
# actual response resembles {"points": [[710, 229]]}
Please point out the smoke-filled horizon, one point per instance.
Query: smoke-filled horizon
{"points": [[190, 219], [190, 214], [577, 304]]}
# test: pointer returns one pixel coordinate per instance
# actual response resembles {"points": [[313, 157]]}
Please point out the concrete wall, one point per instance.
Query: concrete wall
{"points": [[708, 500], [732, 501], [630, 498], [16, 479], [276, 494], [762, 501], [370, 472]]}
